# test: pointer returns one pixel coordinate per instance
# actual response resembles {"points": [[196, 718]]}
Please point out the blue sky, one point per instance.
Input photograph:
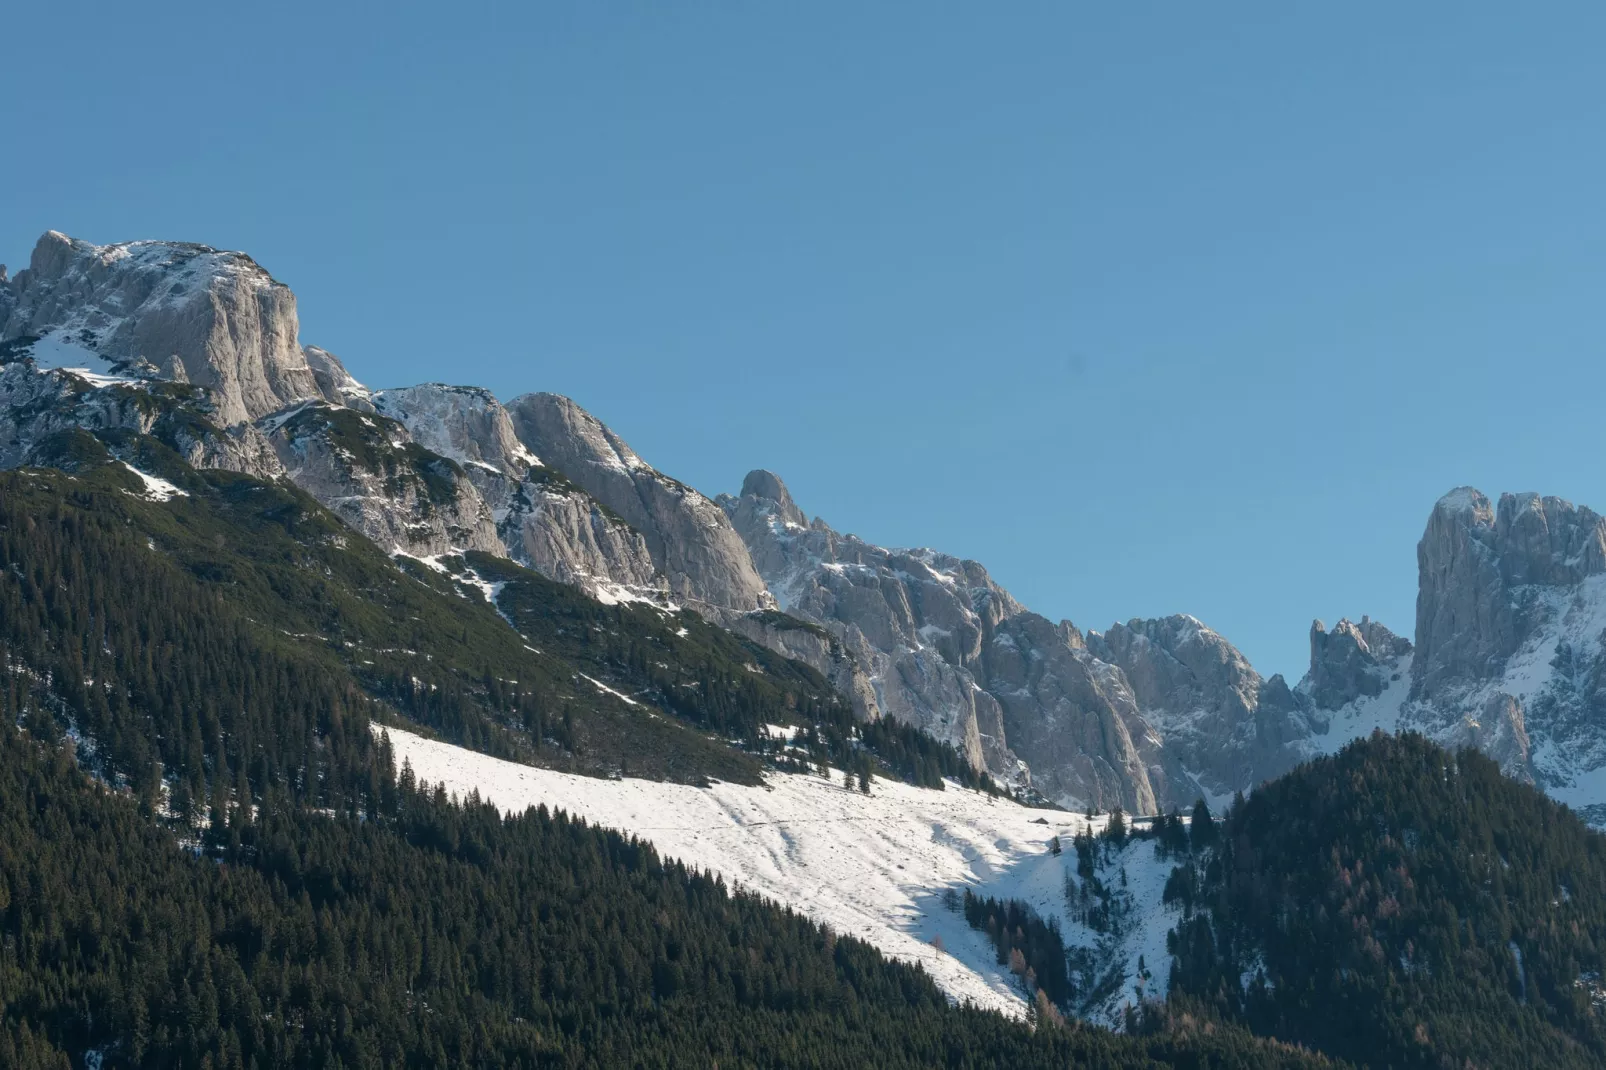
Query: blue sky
{"points": [[1150, 307]]}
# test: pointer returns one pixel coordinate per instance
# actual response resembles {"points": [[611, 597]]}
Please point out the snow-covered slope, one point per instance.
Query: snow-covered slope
{"points": [[874, 867]]}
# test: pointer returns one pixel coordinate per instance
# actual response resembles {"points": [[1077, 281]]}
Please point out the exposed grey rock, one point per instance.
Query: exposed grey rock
{"points": [[815, 647], [1511, 611], [559, 530], [912, 621], [950, 651], [465, 423], [1214, 714], [334, 382], [1465, 623], [1351, 661], [215, 319], [367, 471], [690, 538], [1074, 719], [36, 404], [544, 520], [1500, 730], [1511, 617]]}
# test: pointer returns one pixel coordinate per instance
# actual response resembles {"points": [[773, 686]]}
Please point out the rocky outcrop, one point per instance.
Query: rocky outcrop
{"points": [[1352, 661], [1479, 572], [543, 520], [189, 312], [1075, 721], [815, 647], [1219, 720], [561, 531], [690, 539], [952, 652], [465, 423], [914, 622], [200, 347], [1151, 714], [334, 382], [367, 471], [1511, 615], [1509, 655], [37, 404]]}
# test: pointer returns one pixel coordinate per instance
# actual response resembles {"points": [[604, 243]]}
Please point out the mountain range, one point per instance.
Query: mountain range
{"points": [[202, 348], [343, 726]]}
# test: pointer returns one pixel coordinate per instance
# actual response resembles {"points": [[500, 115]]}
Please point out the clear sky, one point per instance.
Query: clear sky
{"points": [[1150, 307]]}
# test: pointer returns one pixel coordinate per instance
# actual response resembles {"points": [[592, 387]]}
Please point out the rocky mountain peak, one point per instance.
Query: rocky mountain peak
{"points": [[1351, 661], [766, 486], [1475, 560], [690, 538], [1548, 540], [1198, 691], [190, 312]]}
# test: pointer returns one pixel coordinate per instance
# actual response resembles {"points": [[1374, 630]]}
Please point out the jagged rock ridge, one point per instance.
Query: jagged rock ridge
{"points": [[690, 539], [1128, 718], [200, 348], [1509, 655]]}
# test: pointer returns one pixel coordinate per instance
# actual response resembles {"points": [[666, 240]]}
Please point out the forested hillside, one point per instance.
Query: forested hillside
{"points": [[206, 859], [244, 586], [209, 858], [1402, 905]]}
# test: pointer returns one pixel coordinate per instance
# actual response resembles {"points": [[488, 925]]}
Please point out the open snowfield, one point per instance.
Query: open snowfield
{"points": [[874, 867]]}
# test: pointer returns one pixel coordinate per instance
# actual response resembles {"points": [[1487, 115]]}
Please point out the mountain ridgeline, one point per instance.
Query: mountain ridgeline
{"points": [[200, 349], [227, 567]]}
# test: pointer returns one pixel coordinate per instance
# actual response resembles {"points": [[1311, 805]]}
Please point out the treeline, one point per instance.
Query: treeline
{"points": [[1401, 905]]}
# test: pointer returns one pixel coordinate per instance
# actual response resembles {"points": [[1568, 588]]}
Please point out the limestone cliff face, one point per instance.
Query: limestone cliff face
{"points": [[465, 423], [1479, 572], [1151, 714], [543, 520], [690, 539], [947, 649], [1511, 615], [192, 313], [1352, 661], [1217, 717], [1075, 720], [1509, 657], [913, 621]]}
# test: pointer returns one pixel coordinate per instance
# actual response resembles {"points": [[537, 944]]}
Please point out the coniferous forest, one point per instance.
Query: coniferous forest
{"points": [[208, 857], [1401, 905]]}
